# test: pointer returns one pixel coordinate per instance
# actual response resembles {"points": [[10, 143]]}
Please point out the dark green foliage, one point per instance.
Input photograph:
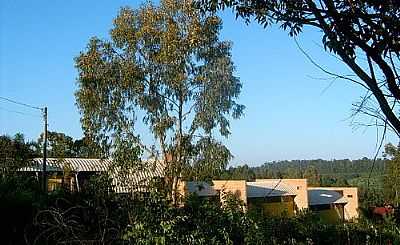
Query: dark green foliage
{"points": [[392, 176], [94, 216], [98, 216], [307, 229], [20, 196], [319, 172], [61, 145], [199, 221], [239, 173], [14, 153], [312, 176], [19, 193], [343, 167]]}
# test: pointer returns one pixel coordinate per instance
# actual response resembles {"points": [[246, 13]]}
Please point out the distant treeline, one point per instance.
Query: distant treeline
{"points": [[318, 171]]}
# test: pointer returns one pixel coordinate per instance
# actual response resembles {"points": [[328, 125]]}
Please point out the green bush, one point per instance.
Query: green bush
{"points": [[99, 216]]}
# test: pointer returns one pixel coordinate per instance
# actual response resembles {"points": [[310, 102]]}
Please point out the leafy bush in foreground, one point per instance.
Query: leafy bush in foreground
{"points": [[98, 216]]}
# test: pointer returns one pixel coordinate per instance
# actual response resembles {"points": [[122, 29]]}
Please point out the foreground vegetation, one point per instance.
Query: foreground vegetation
{"points": [[99, 216]]}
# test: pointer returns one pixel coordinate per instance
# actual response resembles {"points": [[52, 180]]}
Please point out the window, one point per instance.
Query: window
{"points": [[349, 196], [298, 187]]}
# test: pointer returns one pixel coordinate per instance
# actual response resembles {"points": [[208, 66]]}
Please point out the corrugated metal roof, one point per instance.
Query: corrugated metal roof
{"points": [[123, 182], [201, 188], [139, 180], [323, 196], [269, 188], [74, 164]]}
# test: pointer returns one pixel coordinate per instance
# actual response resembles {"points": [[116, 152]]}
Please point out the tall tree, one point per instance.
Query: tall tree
{"points": [[167, 65], [392, 176], [364, 34]]}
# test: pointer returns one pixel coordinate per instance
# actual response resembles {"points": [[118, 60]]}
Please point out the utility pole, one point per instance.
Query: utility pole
{"points": [[44, 173]]}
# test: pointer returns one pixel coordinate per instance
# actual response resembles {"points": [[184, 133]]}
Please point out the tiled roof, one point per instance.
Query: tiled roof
{"points": [[323, 196], [269, 188]]}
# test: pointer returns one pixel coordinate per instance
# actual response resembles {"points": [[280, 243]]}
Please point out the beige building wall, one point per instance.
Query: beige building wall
{"points": [[236, 187], [299, 187], [351, 195]]}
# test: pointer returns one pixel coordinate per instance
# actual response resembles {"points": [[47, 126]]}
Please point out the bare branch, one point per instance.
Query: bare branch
{"points": [[326, 71]]}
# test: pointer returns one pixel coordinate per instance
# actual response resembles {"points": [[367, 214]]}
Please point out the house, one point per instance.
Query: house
{"points": [[269, 196], [277, 197], [334, 204], [69, 173], [298, 187], [73, 173]]}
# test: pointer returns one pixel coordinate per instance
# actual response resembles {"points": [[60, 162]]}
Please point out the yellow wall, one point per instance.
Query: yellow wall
{"points": [[279, 208], [57, 182], [333, 215], [54, 184], [284, 207]]}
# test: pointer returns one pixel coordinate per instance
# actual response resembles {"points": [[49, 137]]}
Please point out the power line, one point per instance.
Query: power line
{"points": [[18, 112], [20, 103]]}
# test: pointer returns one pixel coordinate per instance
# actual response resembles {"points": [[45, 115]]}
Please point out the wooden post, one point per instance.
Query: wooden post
{"points": [[44, 171]]}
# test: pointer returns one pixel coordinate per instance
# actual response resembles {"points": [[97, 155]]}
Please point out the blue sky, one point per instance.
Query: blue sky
{"points": [[289, 114]]}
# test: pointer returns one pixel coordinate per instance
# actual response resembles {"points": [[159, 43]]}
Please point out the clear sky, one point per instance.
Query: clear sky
{"points": [[289, 113]]}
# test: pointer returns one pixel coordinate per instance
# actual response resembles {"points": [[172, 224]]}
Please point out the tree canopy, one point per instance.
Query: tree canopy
{"points": [[14, 153], [61, 145], [167, 66]]}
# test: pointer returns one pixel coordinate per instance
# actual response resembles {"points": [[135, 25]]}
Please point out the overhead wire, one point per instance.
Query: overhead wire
{"points": [[20, 103], [19, 112]]}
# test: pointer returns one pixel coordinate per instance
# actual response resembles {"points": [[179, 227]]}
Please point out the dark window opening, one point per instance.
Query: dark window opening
{"points": [[320, 207]]}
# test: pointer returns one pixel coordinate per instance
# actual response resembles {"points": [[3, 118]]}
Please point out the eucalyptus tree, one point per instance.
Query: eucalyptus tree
{"points": [[166, 65], [363, 34]]}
